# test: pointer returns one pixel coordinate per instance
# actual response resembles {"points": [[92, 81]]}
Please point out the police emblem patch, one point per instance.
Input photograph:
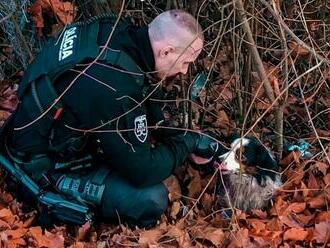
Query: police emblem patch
{"points": [[140, 128]]}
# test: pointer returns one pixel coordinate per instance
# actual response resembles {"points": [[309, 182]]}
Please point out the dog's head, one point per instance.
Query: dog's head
{"points": [[250, 174], [249, 156]]}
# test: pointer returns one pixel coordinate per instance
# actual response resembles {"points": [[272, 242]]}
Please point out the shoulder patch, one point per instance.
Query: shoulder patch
{"points": [[141, 128]]}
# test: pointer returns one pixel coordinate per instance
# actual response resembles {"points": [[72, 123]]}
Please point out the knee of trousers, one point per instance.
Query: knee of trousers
{"points": [[135, 204], [153, 202]]}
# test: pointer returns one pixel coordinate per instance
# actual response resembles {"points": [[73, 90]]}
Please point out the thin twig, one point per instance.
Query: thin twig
{"points": [[255, 54], [292, 34]]}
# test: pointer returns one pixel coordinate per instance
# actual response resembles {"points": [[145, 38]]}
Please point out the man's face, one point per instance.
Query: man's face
{"points": [[174, 61]]}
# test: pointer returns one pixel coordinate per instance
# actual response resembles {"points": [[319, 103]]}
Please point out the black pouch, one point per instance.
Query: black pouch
{"points": [[38, 166]]}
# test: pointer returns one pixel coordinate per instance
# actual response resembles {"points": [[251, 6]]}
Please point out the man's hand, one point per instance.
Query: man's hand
{"points": [[207, 149]]}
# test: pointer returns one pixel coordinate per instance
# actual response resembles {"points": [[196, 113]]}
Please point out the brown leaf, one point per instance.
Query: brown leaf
{"points": [[257, 226], [322, 167], [290, 158], [47, 239], [194, 186], [29, 221], [279, 207], [323, 216], [274, 225], [259, 213], [273, 76], [6, 197], [4, 225], [14, 243], [295, 234], [181, 235], [36, 12], [326, 179], [173, 187], [215, 235], [223, 122], [296, 207], [150, 237], [65, 11], [225, 71], [322, 232], [289, 221], [298, 49], [316, 202], [240, 239], [304, 189], [207, 201], [224, 93], [262, 105], [326, 74], [286, 245], [304, 219], [6, 215], [294, 177], [83, 231], [312, 183], [240, 215], [16, 234], [78, 245], [56, 240], [322, 132], [175, 209]]}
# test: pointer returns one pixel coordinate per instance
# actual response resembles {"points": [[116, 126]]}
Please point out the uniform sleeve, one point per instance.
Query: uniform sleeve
{"points": [[143, 165], [130, 150]]}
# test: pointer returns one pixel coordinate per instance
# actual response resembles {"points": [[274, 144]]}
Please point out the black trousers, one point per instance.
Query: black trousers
{"points": [[120, 200]]}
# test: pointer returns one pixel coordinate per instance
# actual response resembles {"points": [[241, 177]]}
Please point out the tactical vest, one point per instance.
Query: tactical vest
{"points": [[76, 44]]}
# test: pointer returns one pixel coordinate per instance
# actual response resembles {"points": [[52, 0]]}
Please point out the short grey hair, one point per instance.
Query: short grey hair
{"points": [[164, 25]]}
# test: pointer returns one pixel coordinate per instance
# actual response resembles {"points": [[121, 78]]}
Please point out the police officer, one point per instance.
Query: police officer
{"points": [[84, 120]]}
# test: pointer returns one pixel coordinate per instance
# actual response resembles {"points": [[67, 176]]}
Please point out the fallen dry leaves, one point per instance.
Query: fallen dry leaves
{"points": [[63, 10], [15, 234], [298, 217]]}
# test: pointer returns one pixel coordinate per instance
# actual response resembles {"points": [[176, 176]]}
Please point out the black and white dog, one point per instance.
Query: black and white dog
{"points": [[249, 175]]}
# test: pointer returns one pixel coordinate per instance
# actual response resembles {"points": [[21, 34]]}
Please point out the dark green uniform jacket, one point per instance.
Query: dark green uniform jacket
{"points": [[103, 94]]}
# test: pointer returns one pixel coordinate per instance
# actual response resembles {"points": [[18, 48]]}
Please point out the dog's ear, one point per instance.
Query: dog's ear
{"points": [[264, 160]]}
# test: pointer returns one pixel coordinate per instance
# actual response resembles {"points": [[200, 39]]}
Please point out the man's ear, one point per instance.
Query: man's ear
{"points": [[165, 51]]}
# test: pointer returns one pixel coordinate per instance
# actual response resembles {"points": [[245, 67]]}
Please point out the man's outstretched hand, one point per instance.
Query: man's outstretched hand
{"points": [[207, 149]]}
